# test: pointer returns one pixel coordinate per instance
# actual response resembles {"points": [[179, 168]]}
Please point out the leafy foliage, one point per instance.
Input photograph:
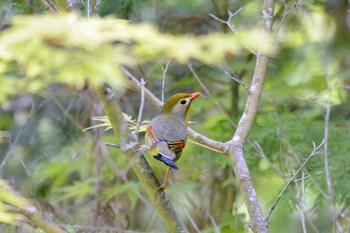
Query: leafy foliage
{"points": [[71, 50]]}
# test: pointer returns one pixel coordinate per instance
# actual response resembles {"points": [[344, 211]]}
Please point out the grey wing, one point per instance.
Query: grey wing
{"points": [[174, 131]]}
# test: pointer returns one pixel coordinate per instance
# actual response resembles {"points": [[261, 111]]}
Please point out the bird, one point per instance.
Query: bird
{"points": [[166, 134]]}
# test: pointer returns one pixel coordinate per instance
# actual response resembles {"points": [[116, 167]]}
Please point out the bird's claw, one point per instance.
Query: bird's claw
{"points": [[162, 187]]}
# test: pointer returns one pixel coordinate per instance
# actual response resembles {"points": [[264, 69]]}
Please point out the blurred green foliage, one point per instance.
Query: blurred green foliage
{"points": [[49, 66]]}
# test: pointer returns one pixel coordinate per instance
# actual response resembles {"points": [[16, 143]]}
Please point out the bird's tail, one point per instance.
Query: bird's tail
{"points": [[165, 159]]}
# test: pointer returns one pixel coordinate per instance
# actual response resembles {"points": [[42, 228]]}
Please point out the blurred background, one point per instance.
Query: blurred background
{"points": [[78, 181]]}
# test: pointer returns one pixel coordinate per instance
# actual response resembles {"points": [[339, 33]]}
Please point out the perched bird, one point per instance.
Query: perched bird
{"points": [[166, 134]]}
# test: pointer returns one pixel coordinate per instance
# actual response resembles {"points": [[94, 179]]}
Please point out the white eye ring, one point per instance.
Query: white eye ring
{"points": [[183, 102]]}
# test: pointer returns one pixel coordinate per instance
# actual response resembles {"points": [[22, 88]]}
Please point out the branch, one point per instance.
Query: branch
{"points": [[97, 229], [139, 118], [33, 215], [235, 147], [292, 179], [235, 77], [13, 144], [295, 4], [17, 204], [232, 27], [135, 84], [130, 147], [164, 74], [49, 6], [228, 21], [328, 177]]}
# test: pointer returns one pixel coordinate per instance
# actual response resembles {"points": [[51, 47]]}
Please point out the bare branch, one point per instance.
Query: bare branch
{"points": [[310, 177], [231, 26], [235, 77], [295, 4], [136, 85], [139, 118], [164, 74], [65, 111], [13, 144], [33, 215], [263, 156], [99, 229], [329, 197], [292, 179], [326, 130], [235, 146], [302, 204], [20, 205], [228, 21], [123, 176], [112, 144], [49, 6], [193, 223], [212, 220]]}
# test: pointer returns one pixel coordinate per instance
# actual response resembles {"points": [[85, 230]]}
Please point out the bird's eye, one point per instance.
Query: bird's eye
{"points": [[183, 102]]}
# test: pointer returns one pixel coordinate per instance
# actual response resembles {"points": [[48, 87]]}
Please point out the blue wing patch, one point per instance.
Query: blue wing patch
{"points": [[168, 161]]}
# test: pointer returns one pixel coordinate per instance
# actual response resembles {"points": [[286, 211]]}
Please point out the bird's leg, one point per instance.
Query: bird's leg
{"points": [[163, 186]]}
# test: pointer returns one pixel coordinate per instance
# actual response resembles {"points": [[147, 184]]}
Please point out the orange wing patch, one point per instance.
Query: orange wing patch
{"points": [[176, 146], [151, 135]]}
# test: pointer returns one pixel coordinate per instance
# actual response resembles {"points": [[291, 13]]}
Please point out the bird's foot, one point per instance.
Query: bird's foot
{"points": [[162, 187]]}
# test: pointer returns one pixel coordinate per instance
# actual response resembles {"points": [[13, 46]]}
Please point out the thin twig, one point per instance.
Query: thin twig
{"points": [[326, 153], [234, 77], [299, 203], [112, 144], [326, 130], [49, 6], [88, 9], [136, 85], [194, 225], [19, 134], [295, 4], [37, 218], [212, 220], [64, 111], [164, 74], [260, 151], [99, 229], [26, 168], [281, 9], [136, 156], [228, 21], [231, 26], [291, 180], [302, 204], [310, 177], [216, 103], [139, 118], [9, 152]]}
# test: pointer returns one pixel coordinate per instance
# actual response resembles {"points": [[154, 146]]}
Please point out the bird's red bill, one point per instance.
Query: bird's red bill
{"points": [[195, 95]]}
